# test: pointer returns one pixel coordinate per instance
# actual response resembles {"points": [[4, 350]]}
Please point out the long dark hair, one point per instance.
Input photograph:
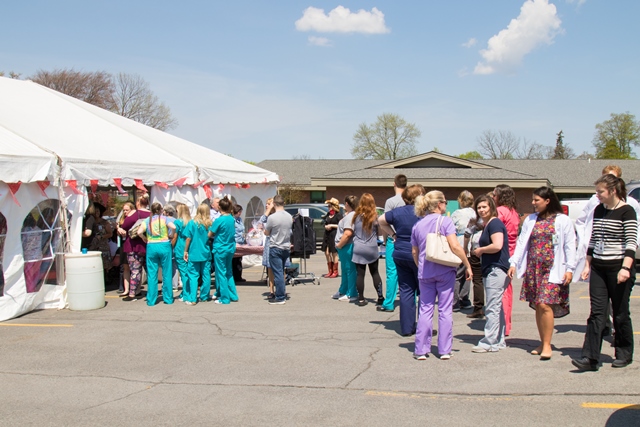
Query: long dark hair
{"points": [[613, 183], [546, 193], [489, 201]]}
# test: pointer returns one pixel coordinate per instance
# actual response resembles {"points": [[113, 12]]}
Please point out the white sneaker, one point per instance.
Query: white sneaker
{"points": [[343, 298], [478, 349], [337, 295], [445, 356]]}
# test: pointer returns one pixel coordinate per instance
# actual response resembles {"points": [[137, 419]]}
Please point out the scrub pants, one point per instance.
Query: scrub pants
{"points": [[184, 273], [495, 284], [225, 285], [159, 255], [409, 286], [440, 287], [349, 275], [392, 276], [197, 270]]}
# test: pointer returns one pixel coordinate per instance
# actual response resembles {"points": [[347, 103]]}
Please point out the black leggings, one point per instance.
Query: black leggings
{"points": [[361, 269]]}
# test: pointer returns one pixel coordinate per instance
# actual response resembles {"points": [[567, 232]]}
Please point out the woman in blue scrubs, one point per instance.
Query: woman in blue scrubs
{"points": [[158, 255], [197, 254], [178, 242], [224, 246]]}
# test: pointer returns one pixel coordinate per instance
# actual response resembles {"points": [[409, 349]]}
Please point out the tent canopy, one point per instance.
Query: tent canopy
{"points": [[95, 144]]}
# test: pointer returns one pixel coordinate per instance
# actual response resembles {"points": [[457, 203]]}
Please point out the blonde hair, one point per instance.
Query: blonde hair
{"points": [[465, 199], [613, 170], [203, 215], [123, 216], [273, 208], [144, 200], [428, 203], [183, 213]]}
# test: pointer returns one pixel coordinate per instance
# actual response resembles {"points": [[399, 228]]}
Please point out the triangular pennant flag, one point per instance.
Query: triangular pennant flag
{"points": [[118, 182], [220, 187], [207, 190], [198, 184], [73, 184], [179, 183], [162, 184], [43, 186], [246, 186], [13, 189], [105, 198], [140, 185], [94, 185], [238, 185]]}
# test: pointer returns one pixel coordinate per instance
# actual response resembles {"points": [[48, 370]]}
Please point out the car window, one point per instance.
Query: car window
{"points": [[635, 193], [316, 213]]}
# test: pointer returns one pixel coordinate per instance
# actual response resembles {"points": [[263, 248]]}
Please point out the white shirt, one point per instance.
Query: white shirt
{"points": [[564, 248]]}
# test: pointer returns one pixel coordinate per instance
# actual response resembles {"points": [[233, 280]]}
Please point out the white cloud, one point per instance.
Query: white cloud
{"points": [[319, 41], [578, 2], [342, 20], [537, 24], [470, 43]]}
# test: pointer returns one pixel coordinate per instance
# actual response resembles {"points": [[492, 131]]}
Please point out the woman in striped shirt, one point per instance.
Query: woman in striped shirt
{"points": [[610, 267]]}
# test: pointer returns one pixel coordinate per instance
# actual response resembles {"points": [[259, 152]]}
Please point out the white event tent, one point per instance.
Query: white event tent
{"points": [[55, 148]]}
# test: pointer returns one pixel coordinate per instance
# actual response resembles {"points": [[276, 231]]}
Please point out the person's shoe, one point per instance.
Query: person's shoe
{"points": [[380, 301], [585, 364], [445, 356], [456, 307], [241, 280], [218, 302], [353, 299], [129, 299], [189, 303], [334, 273], [271, 296], [475, 315], [362, 302], [337, 295], [277, 302], [330, 268], [344, 298], [464, 305], [479, 349], [381, 308], [420, 356], [620, 363]]}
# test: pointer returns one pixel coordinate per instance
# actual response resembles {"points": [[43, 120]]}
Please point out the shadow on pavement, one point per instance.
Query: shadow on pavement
{"points": [[629, 416]]}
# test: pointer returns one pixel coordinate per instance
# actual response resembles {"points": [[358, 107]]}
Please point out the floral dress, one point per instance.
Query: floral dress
{"points": [[536, 288]]}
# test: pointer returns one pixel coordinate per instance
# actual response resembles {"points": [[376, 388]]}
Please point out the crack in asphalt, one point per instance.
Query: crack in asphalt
{"points": [[366, 368]]}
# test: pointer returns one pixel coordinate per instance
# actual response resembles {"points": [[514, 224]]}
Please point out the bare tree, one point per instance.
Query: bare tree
{"points": [[133, 99], [291, 193], [532, 150], [390, 137], [12, 74], [501, 145], [95, 88]]}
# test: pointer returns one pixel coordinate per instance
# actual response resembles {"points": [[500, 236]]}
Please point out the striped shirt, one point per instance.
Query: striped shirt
{"points": [[614, 234]]}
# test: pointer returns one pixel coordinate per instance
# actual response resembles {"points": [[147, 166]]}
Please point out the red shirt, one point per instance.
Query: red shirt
{"points": [[511, 220]]}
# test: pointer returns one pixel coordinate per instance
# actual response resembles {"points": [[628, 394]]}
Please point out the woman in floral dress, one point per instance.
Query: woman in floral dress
{"points": [[545, 255]]}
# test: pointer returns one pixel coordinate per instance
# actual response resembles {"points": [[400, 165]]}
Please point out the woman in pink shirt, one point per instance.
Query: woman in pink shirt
{"points": [[505, 199]]}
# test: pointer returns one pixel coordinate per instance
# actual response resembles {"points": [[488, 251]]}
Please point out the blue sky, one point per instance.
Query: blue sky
{"points": [[276, 79]]}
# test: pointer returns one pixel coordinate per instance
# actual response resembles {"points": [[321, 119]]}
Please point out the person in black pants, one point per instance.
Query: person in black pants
{"points": [[610, 260]]}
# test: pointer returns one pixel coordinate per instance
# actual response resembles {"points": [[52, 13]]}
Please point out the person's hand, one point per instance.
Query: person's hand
{"points": [[327, 227], [469, 273], [122, 232], [585, 272], [567, 278], [623, 275], [186, 257], [477, 252], [511, 272]]}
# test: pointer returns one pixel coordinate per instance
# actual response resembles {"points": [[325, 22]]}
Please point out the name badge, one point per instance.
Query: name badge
{"points": [[554, 239], [599, 246]]}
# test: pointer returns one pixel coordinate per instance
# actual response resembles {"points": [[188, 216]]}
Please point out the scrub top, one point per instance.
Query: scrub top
{"points": [[224, 230], [198, 249]]}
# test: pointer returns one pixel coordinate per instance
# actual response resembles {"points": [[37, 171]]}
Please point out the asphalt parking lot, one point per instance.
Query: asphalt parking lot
{"points": [[313, 361]]}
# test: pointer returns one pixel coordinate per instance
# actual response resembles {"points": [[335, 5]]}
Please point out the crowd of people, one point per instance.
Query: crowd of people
{"points": [[494, 244], [489, 241]]}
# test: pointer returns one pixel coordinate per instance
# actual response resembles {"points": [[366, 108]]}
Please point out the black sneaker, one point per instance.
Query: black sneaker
{"points": [[620, 363], [362, 302], [380, 301], [585, 364], [130, 299], [456, 308]]}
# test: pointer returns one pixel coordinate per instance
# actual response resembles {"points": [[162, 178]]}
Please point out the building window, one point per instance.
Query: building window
{"points": [[253, 212], [317, 196]]}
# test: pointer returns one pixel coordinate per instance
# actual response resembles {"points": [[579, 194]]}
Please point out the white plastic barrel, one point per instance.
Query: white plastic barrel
{"points": [[85, 280]]}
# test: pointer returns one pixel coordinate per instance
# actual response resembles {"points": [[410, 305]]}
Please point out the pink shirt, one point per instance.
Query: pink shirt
{"points": [[511, 220]]}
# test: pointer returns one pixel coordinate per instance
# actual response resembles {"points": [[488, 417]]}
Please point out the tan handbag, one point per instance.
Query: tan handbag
{"points": [[438, 250]]}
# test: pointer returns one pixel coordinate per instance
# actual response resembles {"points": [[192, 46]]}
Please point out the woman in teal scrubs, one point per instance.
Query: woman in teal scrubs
{"points": [[198, 256], [178, 242], [158, 255], [224, 246]]}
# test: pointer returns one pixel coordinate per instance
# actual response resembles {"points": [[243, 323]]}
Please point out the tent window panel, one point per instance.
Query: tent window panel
{"points": [[253, 212], [43, 245]]}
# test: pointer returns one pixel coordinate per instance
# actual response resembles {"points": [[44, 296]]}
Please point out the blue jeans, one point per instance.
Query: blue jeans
{"points": [[277, 259]]}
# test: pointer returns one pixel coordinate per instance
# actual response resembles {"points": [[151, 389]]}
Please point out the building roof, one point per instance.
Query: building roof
{"points": [[447, 171]]}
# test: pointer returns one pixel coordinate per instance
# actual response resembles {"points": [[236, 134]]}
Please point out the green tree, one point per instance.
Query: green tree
{"points": [[615, 137], [390, 137], [471, 155]]}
